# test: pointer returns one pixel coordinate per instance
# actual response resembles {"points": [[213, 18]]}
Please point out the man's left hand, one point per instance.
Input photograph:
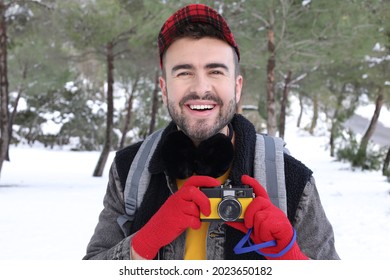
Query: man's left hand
{"points": [[268, 223]]}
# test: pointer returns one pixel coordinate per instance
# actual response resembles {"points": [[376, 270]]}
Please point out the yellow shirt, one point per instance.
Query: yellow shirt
{"points": [[195, 245]]}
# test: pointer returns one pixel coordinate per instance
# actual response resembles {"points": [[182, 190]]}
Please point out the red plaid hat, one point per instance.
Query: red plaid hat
{"points": [[191, 14]]}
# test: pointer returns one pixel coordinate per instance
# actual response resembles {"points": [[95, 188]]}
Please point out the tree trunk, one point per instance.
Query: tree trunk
{"points": [[11, 121], [152, 125], [332, 137], [334, 130], [271, 105], [283, 107], [4, 98], [315, 114], [385, 169], [98, 172], [300, 110], [374, 121], [129, 112]]}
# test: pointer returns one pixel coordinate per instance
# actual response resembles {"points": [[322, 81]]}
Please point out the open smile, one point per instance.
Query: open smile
{"points": [[201, 107], [201, 110]]}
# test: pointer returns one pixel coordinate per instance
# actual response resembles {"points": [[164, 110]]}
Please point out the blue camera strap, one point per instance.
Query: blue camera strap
{"points": [[240, 249]]}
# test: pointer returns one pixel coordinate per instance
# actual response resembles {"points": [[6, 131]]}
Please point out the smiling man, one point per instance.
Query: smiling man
{"points": [[204, 186], [200, 86]]}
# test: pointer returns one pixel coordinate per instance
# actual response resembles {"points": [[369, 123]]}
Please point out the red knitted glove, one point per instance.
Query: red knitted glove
{"points": [[268, 223], [179, 212]]}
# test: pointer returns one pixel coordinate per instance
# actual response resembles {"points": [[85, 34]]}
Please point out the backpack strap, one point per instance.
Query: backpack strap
{"points": [[269, 168], [138, 179]]}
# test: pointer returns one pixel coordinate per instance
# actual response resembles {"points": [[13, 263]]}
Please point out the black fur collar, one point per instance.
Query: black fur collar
{"points": [[182, 158], [244, 149]]}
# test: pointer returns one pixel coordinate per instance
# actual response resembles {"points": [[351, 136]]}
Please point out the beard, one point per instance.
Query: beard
{"points": [[201, 130]]}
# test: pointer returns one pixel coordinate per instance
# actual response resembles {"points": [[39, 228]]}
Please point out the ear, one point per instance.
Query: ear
{"points": [[238, 86], [163, 87]]}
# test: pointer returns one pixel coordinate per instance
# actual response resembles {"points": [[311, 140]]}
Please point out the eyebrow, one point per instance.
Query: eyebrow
{"points": [[180, 67], [217, 65], [190, 66]]}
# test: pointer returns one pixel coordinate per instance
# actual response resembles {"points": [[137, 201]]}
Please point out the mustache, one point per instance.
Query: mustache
{"points": [[194, 96]]}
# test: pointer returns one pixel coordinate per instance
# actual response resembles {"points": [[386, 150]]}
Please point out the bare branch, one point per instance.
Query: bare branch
{"points": [[85, 56], [265, 22], [284, 18], [124, 36]]}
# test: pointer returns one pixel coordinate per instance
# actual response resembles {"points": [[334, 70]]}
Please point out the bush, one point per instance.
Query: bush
{"points": [[372, 159], [75, 118]]}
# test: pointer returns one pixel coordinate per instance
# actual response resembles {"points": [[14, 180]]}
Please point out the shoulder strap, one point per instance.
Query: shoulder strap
{"points": [[138, 179], [269, 168]]}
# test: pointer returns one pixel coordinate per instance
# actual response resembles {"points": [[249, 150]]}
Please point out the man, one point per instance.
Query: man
{"points": [[206, 144]]}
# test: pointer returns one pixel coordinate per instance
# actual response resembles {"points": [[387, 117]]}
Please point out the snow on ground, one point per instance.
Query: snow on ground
{"points": [[356, 203], [49, 201]]}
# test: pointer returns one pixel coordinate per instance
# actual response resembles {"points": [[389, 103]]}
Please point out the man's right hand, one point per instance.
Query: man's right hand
{"points": [[179, 212]]}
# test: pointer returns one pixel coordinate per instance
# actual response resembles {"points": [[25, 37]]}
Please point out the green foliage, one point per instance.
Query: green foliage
{"points": [[349, 152], [73, 118], [82, 128], [27, 127], [90, 23], [326, 41]]}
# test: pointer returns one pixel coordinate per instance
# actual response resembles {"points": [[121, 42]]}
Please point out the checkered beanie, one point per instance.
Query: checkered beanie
{"points": [[193, 13]]}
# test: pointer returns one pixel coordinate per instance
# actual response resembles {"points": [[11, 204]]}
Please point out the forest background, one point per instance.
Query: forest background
{"points": [[83, 74]]}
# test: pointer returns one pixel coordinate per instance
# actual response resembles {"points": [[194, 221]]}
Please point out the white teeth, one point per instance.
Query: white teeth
{"points": [[201, 107]]}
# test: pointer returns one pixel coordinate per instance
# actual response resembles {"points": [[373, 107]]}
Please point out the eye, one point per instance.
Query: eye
{"points": [[184, 74], [216, 72]]}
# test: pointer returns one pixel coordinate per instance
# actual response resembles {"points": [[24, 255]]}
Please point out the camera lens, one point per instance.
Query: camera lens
{"points": [[229, 209]]}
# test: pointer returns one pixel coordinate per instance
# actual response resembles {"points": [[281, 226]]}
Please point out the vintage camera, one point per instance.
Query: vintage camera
{"points": [[228, 203]]}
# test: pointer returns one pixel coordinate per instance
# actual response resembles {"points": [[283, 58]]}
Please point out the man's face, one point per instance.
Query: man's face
{"points": [[200, 88]]}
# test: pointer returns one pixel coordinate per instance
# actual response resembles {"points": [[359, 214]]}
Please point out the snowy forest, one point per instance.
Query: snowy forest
{"points": [[83, 74]]}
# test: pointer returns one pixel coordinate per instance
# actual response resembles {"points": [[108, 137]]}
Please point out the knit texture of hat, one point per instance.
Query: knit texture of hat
{"points": [[193, 13]]}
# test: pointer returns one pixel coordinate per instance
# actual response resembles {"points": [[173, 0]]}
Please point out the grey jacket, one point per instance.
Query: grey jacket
{"points": [[314, 232]]}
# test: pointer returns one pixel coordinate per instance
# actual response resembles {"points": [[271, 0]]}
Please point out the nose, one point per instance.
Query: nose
{"points": [[201, 84]]}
